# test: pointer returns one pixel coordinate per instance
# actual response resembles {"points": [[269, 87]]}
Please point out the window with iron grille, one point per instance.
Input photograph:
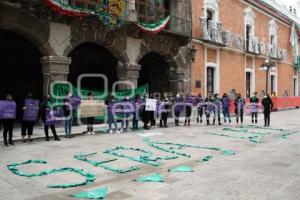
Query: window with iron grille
{"points": [[152, 10]]}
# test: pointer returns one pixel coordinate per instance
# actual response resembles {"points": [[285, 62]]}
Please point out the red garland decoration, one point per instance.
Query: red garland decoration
{"points": [[65, 12]]}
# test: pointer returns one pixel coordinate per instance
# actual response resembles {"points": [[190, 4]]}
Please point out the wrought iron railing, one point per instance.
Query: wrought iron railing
{"points": [[143, 11]]}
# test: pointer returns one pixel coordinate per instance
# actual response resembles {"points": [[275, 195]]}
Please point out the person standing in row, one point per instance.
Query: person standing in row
{"points": [[46, 107], [268, 106], [68, 114], [111, 115], [8, 126], [218, 109], [254, 107], [200, 108], [226, 108], [239, 104], [209, 108], [127, 110], [136, 113], [27, 126], [188, 109], [90, 120], [178, 107], [163, 111]]}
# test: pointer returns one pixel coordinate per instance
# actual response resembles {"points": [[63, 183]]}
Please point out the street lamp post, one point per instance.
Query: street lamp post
{"points": [[267, 66]]}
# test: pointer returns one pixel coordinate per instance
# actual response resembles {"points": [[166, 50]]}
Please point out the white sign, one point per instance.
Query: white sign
{"points": [[151, 104]]}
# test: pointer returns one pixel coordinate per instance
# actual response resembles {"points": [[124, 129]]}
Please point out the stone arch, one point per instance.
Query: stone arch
{"points": [[174, 51], [35, 30], [84, 32]]}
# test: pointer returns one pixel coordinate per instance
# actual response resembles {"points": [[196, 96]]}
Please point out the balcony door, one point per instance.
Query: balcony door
{"points": [[210, 80], [248, 84]]}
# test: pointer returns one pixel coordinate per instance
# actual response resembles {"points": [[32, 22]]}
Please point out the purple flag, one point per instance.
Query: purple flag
{"points": [[8, 110], [53, 117], [31, 110]]}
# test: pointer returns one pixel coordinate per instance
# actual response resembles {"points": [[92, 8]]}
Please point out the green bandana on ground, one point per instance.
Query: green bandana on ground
{"points": [[175, 146], [155, 177], [89, 176], [144, 158], [284, 132], [100, 193], [205, 159], [253, 138], [228, 152], [243, 130], [182, 168], [84, 157]]}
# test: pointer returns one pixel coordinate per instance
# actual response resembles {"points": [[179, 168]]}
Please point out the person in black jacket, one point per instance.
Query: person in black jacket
{"points": [[239, 104], [27, 126], [46, 107], [268, 106], [68, 114], [8, 126]]}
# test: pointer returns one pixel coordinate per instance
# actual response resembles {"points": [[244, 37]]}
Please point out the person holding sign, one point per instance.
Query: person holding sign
{"points": [[68, 114], [90, 120], [111, 114], [48, 117], [254, 107], [30, 116], [8, 116]]}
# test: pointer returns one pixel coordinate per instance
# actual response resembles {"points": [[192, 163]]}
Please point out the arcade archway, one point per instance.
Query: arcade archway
{"points": [[20, 68], [91, 58], [154, 72]]}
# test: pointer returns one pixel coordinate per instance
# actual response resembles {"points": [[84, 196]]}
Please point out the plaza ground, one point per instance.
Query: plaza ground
{"points": [[258, 171]]}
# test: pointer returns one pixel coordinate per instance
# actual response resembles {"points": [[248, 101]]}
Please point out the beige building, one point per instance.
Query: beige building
{"points": [[234, 38]]}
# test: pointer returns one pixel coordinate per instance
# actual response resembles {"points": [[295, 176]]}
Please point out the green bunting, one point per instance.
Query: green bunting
{"points": [[89, 176], [155, 177], [182, 168], [100, 193]]}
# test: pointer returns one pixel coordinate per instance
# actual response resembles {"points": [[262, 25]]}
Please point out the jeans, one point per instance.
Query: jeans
{"points": [[111, 120], [68, 126], [125, 121], [226, 113], [177, 115], [135, 121]]}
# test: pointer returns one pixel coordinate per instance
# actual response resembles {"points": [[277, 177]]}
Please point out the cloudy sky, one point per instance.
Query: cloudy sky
{"points": [[288, 3]]}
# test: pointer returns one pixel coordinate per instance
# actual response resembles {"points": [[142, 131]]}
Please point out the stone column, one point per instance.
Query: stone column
{"points": [[128, 72], [54, 68], [176, 78]]}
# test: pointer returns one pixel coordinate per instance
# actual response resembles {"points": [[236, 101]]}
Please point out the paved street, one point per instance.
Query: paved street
{"points": [[269, 170]]}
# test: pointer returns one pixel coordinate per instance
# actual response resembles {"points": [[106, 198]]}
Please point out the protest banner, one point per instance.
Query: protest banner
{"points": [[53, 117], [151, 104], [31, 110], [91, 108], [8, 110]]}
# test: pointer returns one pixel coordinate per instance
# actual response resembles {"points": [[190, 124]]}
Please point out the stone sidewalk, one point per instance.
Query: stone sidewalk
{"points": [[258, 171]]}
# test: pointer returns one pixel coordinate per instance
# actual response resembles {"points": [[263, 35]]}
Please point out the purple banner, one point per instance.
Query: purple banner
{"points": [[74, 101], [8, 110], [31, 110], [53, 117]]}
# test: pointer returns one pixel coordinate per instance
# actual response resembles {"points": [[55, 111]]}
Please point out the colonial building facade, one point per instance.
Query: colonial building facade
{"points": [[234, 38], [39, 46]]}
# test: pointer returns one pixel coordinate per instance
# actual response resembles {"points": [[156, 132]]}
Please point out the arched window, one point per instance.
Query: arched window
{"points": [[249, 26], [211, 10]]}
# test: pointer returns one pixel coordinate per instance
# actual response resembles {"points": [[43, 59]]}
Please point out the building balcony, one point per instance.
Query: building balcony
{"points": [[146, 12], [213, 32]]}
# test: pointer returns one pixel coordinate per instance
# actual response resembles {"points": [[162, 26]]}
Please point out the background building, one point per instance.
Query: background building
{"points": [[39, 46], [233, 39]]}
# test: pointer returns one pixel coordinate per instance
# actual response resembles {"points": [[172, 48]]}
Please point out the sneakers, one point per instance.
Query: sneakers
{"points": [[88, 133], [118, 132], [121, 130], [93, 133], [111, 132]]}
